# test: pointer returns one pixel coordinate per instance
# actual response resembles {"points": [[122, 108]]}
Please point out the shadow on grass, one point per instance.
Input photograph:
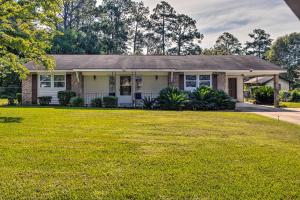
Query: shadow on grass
{"points": [[6, 120]]}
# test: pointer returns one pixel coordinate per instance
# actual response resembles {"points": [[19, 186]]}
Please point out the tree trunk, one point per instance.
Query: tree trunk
{"points": [[164, 50], [179, 47], [135, 38]]}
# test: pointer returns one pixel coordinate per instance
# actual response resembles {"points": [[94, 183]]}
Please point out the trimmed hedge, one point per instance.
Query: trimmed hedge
{"points": [[97, 103], [77, 102], [110, 102], [45, 101], [64, 97]]}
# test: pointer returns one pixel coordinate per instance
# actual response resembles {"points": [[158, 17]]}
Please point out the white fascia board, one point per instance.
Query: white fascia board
{"points": [[238, 71], [124, 70], [50, 71], [167, 70]]}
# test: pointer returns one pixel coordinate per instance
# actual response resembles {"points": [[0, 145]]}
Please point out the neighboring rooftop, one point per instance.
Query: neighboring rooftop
{"points": [[122, 62], [261, 80]]}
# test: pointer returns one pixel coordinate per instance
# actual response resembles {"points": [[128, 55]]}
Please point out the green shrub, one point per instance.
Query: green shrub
{"points": [[4, 96], [263, 95], [11, 101], [19, 98], [77, 102], [148, 103], [284, 96], [295, 96], [64, 97], [45, 100], [110, 102], [205, 98], [97, 102], [172, 99]]}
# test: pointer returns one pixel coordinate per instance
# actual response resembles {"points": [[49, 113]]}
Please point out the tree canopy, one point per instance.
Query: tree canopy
{"points": [[286, 52], [260, 44], [26, 30]]}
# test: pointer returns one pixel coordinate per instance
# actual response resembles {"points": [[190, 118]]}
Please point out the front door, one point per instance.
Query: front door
{"points": [[125, 94], [232, 87]]}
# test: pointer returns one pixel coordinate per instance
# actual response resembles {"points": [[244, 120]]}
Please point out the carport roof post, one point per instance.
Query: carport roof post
{"points": [[276, 91]]}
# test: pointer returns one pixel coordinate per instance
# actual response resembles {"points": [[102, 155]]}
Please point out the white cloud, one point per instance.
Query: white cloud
{"points": [[239, 17]]}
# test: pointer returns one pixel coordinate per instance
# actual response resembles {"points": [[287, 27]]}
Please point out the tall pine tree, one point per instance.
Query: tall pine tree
{"points": [[260, 44], [161, 19]]}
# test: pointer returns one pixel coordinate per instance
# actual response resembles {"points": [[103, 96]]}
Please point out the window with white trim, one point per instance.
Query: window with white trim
{"points": [[52, 81], [205, 80], [190, 81], [194, 81], [59, 81], [45, 81]]}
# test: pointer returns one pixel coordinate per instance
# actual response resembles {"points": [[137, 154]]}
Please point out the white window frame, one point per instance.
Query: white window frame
{"points": [[210, 79], [185, 81], [51, 81], [197, 80], [64, 81], [45, 81]]}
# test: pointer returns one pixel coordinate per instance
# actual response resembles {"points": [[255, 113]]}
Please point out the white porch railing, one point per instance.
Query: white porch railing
{"points": [[88, 97]]}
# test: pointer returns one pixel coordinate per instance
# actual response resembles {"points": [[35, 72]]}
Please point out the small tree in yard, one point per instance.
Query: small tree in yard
{"points": [[26, 31]]}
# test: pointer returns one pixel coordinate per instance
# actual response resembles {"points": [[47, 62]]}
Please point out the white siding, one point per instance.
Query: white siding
{"points": [[95, 87], [151, 85], [51, 91], [284, 84], [98, 85]]}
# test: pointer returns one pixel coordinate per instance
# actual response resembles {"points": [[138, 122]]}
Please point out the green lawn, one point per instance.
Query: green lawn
{"points": [[290, 104], [3, 102], [54, 153]]}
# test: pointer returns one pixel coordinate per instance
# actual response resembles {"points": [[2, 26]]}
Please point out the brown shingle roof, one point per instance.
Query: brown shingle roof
{"points": [[115, 62]]}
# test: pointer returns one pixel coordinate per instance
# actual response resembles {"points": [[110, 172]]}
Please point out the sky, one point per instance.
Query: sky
{"points": [[239, 17]]}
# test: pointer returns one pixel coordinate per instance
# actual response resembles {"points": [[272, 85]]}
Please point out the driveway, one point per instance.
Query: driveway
{"points": [[284, 114]]}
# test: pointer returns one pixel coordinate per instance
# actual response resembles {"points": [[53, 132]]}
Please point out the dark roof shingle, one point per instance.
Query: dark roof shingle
{"points": [[115, 62]]}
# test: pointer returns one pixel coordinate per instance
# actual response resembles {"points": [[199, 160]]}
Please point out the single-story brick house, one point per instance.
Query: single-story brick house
{"points": [[131, 78]]}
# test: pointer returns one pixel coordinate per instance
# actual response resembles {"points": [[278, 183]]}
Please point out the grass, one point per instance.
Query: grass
{"points": [[56, 153], [3, 102], [290, 104]]}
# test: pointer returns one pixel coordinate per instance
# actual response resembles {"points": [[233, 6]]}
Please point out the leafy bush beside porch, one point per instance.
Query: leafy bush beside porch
{"points": [[203, 98]]}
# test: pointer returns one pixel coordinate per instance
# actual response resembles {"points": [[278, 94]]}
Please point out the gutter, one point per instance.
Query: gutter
{"points": [[163, 70]]}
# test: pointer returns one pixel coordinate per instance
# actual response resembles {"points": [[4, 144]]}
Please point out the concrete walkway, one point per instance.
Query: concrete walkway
{"points": [[284, 114]]}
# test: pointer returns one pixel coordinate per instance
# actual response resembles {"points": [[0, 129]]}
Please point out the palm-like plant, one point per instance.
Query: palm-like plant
{"points": [[172, 99], [148, 103], [205, 98]]}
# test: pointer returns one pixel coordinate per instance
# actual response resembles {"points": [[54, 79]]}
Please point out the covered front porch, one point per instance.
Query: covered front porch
{"points": [[132, 86]]}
